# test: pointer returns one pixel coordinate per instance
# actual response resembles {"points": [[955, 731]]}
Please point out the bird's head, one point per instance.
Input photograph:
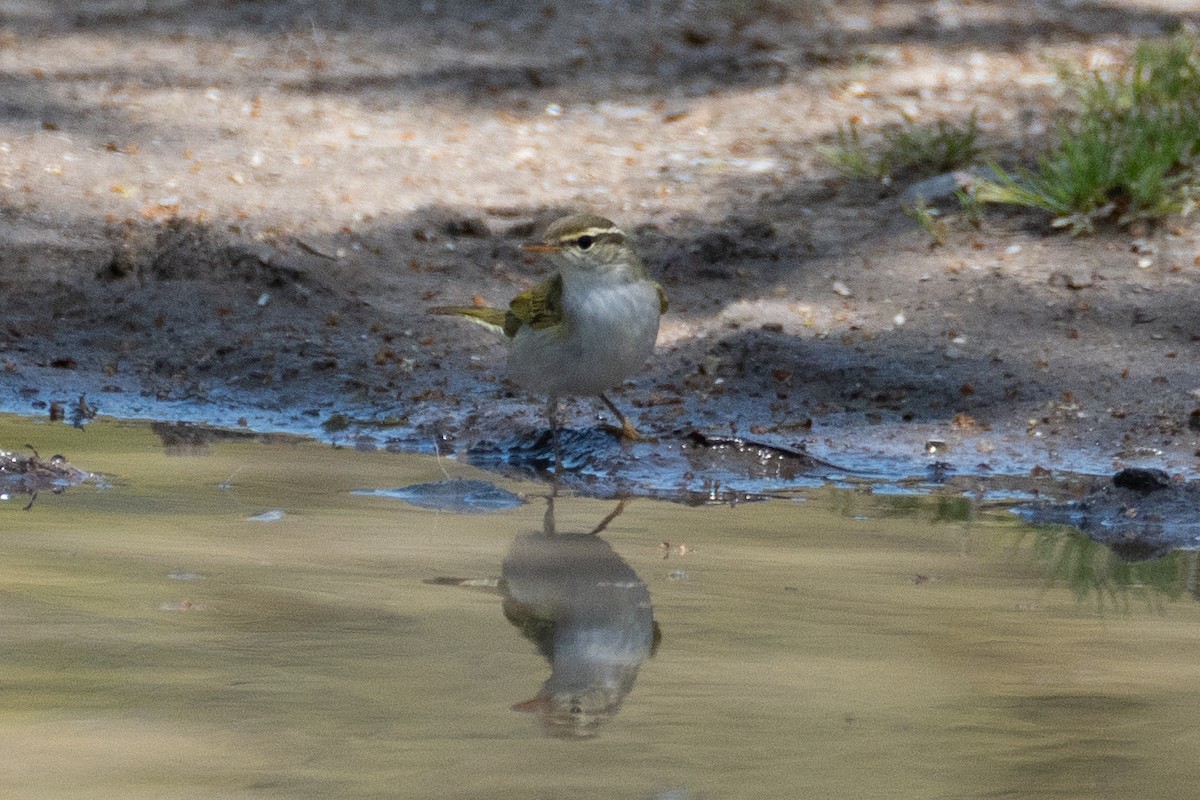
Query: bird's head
{"points": [[587, 243]]}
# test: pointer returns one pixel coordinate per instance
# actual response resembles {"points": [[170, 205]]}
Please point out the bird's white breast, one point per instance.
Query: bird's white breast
{"points": [[608, 333]]}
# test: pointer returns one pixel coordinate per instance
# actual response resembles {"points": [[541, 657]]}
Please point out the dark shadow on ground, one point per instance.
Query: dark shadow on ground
{"points": [[1001, 25], [522, 55]]}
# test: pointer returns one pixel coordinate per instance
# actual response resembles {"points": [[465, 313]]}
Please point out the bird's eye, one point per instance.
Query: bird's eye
{"points": [[585, 242]]}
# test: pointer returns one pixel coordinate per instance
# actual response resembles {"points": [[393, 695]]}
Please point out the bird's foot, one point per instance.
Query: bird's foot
{"points": [[627, 433]]}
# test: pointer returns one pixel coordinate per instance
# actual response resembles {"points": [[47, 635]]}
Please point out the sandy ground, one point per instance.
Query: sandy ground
{"points": [[237, 212]]}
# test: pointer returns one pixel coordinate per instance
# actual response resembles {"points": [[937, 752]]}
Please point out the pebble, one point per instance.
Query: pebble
{"points": [[761, 165], [943, 189], [1079, 277], [935, 190]]}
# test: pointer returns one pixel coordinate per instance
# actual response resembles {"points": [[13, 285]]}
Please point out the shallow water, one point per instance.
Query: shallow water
{"points": [[228, 619]]}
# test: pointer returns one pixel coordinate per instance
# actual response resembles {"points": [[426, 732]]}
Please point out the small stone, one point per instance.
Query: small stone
{"points": [[937, 190], [1076, 278], [1142, 480], [841, 289]]}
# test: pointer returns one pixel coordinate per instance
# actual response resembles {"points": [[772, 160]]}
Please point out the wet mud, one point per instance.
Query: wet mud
{"points": [[1140, 514]]}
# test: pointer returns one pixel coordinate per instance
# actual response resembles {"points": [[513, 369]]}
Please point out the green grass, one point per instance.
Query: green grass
{"points": [[933, 149], [852, 158], [929, 221], [907, 149], [1131, 151]]}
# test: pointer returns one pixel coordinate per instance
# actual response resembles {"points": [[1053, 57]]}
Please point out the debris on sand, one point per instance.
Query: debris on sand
{"points": [[31, 474]]}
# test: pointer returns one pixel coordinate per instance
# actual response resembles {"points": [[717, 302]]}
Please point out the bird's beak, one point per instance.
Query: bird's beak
{"points": [[540, 247]]}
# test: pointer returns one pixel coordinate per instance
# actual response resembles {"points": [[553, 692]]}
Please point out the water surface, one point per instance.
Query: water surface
{"points": [[228, 619]]}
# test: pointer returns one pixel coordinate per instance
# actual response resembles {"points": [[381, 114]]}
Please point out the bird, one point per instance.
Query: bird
{"points": [[587, 327]]}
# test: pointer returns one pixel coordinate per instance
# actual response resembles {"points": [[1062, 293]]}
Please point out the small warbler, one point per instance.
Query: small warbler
{"points": [[587, 327]]}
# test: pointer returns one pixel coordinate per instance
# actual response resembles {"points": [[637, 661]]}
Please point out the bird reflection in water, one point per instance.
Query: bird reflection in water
{"points": [[588, 613]]}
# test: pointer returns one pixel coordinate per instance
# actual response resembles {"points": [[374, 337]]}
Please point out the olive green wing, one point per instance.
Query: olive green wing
{"points": [[491, 318], [539, 307]]}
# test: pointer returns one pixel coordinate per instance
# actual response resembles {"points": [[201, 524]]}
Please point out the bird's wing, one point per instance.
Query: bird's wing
{"points": [[491, 318], [539, 307], [663, 305]]}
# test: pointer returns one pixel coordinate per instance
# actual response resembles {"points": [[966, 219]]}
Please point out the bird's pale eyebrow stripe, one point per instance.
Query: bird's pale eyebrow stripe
{"points": [[609, 234]]}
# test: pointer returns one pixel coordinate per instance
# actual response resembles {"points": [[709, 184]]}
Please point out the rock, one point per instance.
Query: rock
{"points": [[943, 189], [1075, 278], [938, 190], [1142, 480]]}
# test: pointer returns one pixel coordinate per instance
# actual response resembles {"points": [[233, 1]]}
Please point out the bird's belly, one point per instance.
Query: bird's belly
{"points": [[607, 338]]}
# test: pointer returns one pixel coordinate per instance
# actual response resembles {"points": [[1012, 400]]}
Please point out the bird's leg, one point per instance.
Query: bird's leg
{"points": [[626, 431], [552, 415], [548, 526], [616, 512]]}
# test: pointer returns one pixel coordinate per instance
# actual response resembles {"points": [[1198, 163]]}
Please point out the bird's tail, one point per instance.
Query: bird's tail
{"points": [[490, 318]]}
